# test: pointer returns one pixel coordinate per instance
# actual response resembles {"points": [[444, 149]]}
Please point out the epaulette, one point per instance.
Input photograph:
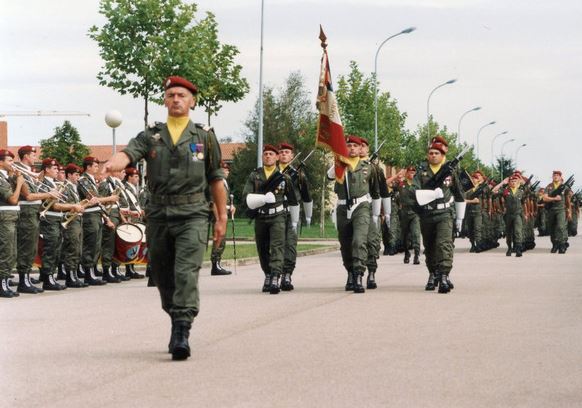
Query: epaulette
{"points": [[204, 127]]}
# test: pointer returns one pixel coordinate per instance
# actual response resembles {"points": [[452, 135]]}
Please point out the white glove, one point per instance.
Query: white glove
{"points": [[308, 221], [387, 220], [459, 224], [438, 193], [375, 219], [270, 198]]}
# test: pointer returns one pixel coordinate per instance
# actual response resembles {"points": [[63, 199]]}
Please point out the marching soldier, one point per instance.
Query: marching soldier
{"points": [[183, 158], [133, 193], [558, 211], [10, 186], [474, 217], [409, 221], [513, 202], [354, 193], [218, 249], [270, 193], [436, 217], [301, 190], [93, 219], [541, 213]]}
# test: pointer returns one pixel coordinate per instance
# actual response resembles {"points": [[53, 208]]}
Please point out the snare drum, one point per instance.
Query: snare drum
{"points": [[142, 257], [128, 239]]}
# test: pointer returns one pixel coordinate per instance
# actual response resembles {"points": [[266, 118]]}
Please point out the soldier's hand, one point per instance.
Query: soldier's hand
{"points": [[219, 230], [78, 208], [93, 201]]}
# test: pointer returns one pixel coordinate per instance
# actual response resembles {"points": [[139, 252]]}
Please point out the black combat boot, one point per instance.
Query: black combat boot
{"points": [[350, 282], [562, 248], [108, 276], [358, 287], [5, 290], [391, 250], [115, 272], [509, 250], [386, 250], [217, 269], [416, 260], [430, 284], [266, 284], [451, 286], [274, 284], [473, 247], [554, 248], [133, 273], [406, 256], [90, 278], [518, 252], [180, 334], [286, 284], [444, 284], [96, 271], [61, 274], [371, 281], [24, 285], [49, 283], [80, 272], [71, 280]]}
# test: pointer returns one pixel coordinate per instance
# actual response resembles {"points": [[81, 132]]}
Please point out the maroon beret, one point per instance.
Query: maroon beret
{"points": [[5, 153], [90, 160], [439, 143], [557, 172], [271, 148], [287, 146], [72, 168], [354, 139], [48, 162], [364, 141], [25, 150], [173, 81]]}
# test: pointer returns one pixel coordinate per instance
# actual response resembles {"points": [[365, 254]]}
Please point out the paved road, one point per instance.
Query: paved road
{"points": [[509, 335]]}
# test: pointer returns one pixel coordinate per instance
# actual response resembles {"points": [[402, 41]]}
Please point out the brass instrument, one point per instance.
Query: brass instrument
{"points": [[47, 204], [71, 215], [104, 211], [21, 169]]}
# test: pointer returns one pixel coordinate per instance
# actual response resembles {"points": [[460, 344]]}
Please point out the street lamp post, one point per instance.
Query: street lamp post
{"points": [[260, 132], [502, 147], [477, 141], [492, 144], [406, 31], [461, 118], [517, 152], [449, 82], [113, 119]]}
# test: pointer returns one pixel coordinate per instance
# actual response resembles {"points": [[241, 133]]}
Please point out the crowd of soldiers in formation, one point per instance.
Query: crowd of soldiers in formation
{"points": [[77, 216]]}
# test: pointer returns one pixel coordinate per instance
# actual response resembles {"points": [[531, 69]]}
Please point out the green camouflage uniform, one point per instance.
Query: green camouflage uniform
{"points": [[556, 217], [8, 218]]}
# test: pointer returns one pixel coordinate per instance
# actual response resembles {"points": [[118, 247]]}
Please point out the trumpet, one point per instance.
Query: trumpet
{"points": [[47, 204], [71, 215], [21, 169]]}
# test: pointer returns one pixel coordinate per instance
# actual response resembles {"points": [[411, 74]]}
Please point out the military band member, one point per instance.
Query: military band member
{"points": [[136, 212], [10, 187], [301, 189], [355, 192], [437, 217], [93, 219], [182, 158], [218, 249], [409, 221], [558, 211], [270, 193]]}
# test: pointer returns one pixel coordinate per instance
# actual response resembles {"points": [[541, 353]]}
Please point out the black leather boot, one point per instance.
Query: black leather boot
{"points": [[24, 285], [451, 286], [286, 284], [115, 272], [358, 287], [391, 250], [473, 247], [430, 284], [509, 250], [5, 291], [266, 284], [554, 248], [61, 274], [562, 248], [71, 280], [108, 276], [406, 256], [416, 260], [90, 278], [518, 252], [371, 281], [80, 272], [75, 273], [444, 284], [218, 270], [49, 283], [96, 271], [180, 334], [274, 284], [133, 274], [350, 282]]}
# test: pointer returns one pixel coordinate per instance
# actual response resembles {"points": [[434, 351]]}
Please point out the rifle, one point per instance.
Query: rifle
{"points": [[478, 190], [524, 185], [446, 170], [374, 155], [534, 186], [567, 184], [231, 201]]}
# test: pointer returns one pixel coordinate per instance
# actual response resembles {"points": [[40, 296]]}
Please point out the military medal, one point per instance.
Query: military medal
{"points": [[193, 150], [200, 151]]}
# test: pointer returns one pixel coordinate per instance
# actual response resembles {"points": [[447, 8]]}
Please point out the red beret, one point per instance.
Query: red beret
{"points": [[131, 171], [173, 81], [557, 172], [287, 146], [49, 163], [354, 139], [72, 168], [270, 147], [25, 150], [439, 143], [411, 168], [364, 141], [90, 160], [5, 153]]}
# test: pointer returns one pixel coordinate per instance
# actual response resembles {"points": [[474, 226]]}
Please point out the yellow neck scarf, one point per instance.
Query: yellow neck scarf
{"points": [[283, 166], [514, 190], [268, 170], [556, 185], [176, 126]]}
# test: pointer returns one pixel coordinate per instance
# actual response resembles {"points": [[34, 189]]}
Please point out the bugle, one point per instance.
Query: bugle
{"points": [[71, 215]]}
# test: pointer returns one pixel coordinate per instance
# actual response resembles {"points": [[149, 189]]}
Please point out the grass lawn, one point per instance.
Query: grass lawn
{"points": [[248, 250], [245, 230]]}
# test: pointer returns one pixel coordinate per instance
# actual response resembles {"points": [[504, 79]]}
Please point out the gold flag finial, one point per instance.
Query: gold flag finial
{"points": [[322, 37]]}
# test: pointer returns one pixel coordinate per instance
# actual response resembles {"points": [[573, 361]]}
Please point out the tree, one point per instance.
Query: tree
{"points": [[506, 165], [145, 41], [65, 145]]}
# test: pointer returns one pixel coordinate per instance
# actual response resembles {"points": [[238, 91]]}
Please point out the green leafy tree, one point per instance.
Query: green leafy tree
{"points": [[145, 41], [506, 165], [65, 145]]}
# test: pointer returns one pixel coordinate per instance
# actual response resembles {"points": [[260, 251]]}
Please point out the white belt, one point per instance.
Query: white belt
{"points": [[356, 201], [92, 209], [440, 206], [443, 206], [9, 208], [54, 214], [37, 202], [272, 211]]}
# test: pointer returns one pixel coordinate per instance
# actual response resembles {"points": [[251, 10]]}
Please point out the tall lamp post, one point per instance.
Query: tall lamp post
{"points": [[113, 119], [502, 161], [477, 141], [260, 135], [517, 152], [449, 82], [492, 144], [406, 31], [461, 118]]}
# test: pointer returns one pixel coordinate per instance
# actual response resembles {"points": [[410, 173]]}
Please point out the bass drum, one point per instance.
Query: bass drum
{"points": [[142, 257], [128, 239]]}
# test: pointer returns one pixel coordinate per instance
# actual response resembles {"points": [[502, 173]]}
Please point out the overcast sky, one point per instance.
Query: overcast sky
{"points": [[520, 60]]}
